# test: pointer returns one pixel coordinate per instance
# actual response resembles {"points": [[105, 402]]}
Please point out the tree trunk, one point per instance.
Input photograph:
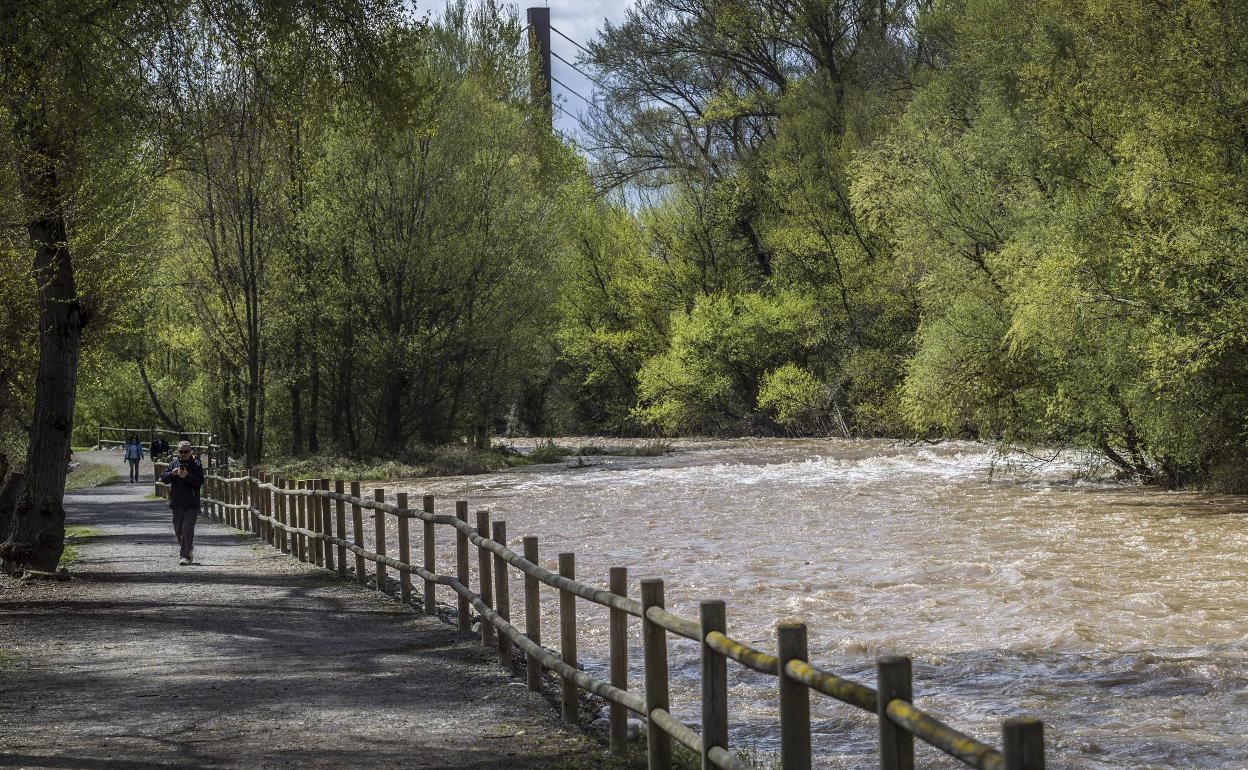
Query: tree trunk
{"points": [[314, 393], [37, 533], [295, 399], [392, 409], [35, 536], [151, 394]]}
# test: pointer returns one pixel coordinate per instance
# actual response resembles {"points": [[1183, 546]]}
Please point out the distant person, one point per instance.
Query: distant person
{"points": [[184, 476], [160, 448], [134, 455]]}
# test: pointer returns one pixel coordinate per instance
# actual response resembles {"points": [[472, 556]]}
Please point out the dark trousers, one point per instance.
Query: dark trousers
{"points": [[184, 527], [134, 469]]}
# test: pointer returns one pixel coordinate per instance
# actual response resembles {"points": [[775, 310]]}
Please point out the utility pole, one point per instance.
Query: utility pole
{"points": [[539, 29]]}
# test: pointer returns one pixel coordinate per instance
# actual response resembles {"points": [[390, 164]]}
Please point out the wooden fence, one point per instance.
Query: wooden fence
{"points": [[310, 521], [106, 436]]}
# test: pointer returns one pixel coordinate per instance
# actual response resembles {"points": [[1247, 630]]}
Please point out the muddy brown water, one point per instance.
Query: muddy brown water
{"points": [[1117, 614]]}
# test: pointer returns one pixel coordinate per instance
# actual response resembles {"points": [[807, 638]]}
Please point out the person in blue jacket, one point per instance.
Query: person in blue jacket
{"points": [[184, 476], [134, 455]]}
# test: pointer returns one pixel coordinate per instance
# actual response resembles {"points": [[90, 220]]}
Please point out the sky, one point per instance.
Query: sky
{"points": [[579, 20]]}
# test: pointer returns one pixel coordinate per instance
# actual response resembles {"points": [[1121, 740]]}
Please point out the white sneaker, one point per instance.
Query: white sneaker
{"points": [[191, 558], [183, 561]]}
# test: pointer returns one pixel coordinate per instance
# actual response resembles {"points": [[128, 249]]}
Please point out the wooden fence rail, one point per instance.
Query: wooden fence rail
{"points": [[266, 507]]}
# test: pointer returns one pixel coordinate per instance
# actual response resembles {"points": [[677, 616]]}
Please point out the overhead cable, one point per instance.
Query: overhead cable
{"points": [[585, 74], [570, 40]]}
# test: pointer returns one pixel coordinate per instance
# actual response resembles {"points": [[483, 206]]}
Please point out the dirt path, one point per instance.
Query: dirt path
{"points": [[248, 659]]}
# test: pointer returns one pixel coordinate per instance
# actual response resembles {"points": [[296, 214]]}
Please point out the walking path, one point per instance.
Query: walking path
{"points": [[247, 659]]}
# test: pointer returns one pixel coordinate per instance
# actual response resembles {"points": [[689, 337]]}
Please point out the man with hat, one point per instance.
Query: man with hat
{"points": [[184, 476]]}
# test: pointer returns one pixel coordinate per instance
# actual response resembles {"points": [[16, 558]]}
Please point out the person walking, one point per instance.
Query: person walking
{"points": [[160, 448], [134, 455], [184, 476]]}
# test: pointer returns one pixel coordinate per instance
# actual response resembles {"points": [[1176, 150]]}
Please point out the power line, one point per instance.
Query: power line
{"points": [[585, 74], [570, 40], [579, 122], [570, 90]]}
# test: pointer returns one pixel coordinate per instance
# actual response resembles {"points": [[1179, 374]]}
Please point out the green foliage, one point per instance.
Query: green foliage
{"points": [[967, 218], [1079, 240], [720, 352]]}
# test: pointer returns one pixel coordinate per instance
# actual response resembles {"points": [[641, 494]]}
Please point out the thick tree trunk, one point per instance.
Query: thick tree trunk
{"points": [[392, 410], [314, 394], [35, 536], [294, 399], [294, 393], [37, 533]]}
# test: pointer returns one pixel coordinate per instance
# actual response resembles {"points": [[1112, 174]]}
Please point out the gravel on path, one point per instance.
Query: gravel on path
{"points": [[246, 659]]}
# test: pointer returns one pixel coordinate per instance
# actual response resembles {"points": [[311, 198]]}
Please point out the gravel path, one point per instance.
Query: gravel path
{"points": [[247, 659]]}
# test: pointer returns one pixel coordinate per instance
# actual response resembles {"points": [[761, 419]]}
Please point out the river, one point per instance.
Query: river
{"points": [[1115, 613]]}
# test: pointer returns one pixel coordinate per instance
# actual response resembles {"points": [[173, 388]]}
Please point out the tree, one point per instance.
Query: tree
{"points": [[68, 125]]}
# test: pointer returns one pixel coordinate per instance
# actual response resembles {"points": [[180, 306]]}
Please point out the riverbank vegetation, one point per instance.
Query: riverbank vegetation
{"points": [[353, 234]]}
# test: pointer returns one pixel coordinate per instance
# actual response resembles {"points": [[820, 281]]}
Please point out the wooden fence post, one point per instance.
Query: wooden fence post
{"points": [[617, 583], [253, 503], [502, 595], [340, 508], [483, 573], [428, 541], [1023, 743], [532, 616], [461, 567], [654, 644], [236, 498], [794, 700], [379, 532], [266, 497], [283, 537], [711, 615], [567, 637], [244, 499], [327, 526], [357, 534], [405, 551], [301, 503], [315, 519], [893, 683]]}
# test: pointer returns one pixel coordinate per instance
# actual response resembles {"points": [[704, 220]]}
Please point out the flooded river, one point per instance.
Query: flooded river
{"points": [[1119, 615]]}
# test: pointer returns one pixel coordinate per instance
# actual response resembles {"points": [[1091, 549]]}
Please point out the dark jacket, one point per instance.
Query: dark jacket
{"points": [[184, 492]]}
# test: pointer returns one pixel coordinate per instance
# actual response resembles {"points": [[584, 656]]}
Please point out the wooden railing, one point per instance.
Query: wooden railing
{"points": [[296, 518], [107, 436]]}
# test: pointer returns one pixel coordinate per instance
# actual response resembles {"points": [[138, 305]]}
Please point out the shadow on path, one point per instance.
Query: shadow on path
{"points": [[250, 660]]}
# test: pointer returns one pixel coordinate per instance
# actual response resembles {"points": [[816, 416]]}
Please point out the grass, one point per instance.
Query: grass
{"points": [[648, 449], [88, 475], [417, 463], [7, 657], [550, 452], [74, 538], [453, 460]]}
